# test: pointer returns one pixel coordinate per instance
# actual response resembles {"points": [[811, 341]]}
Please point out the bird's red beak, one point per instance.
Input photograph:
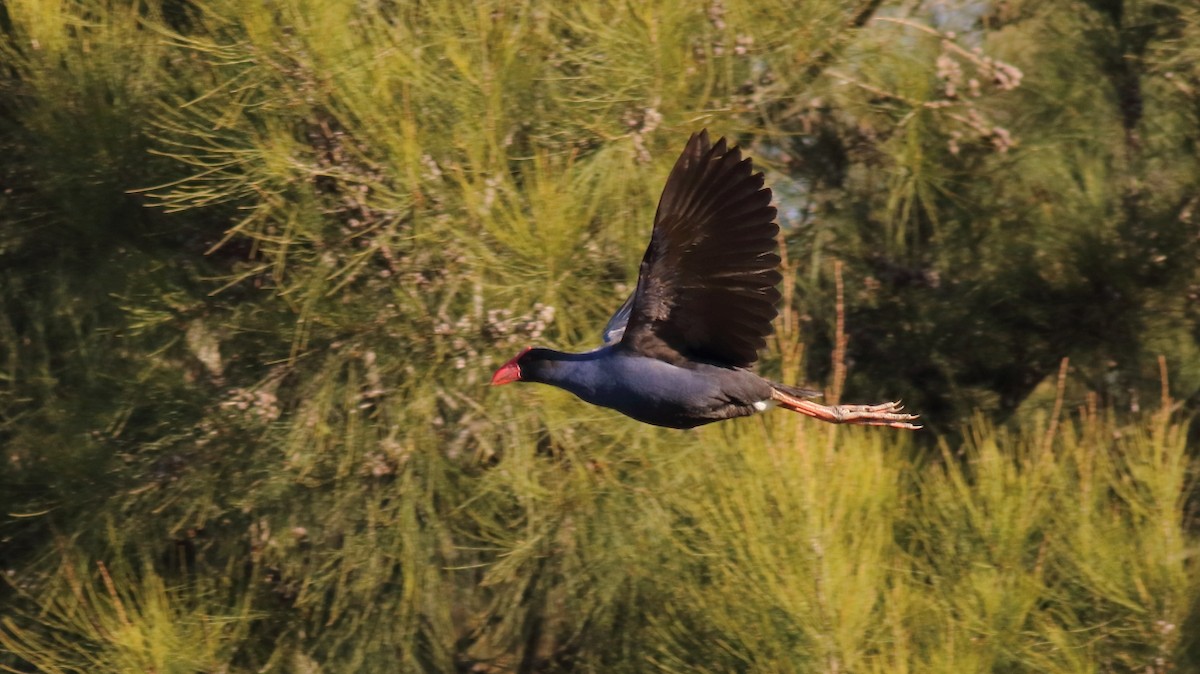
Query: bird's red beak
{"points": [[507, 374], [510, 371]]}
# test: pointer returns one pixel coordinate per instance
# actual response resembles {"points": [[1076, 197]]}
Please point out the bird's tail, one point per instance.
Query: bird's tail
{"points": [[796, 391]]}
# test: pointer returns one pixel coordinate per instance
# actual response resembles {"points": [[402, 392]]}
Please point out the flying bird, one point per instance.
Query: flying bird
{"points": [[678, 352]]}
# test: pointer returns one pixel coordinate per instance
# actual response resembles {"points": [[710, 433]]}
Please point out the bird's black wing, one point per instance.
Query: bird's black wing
{"points": [[707, 285]]}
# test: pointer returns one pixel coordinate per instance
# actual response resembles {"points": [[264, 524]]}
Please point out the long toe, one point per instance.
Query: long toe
{"points": [[886, 408], [883, 414], [901, 421]]}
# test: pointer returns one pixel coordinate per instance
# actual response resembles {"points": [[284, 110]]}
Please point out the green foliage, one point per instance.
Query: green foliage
{"points": [[124, 620], [749, 547], [1004, 208], [257, 260]]}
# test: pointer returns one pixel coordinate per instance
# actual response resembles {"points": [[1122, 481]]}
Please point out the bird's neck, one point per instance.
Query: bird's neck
{"points": [[565, 370]]}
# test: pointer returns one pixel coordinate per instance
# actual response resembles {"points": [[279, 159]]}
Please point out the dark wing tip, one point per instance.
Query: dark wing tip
{"points": [[697, 146]]}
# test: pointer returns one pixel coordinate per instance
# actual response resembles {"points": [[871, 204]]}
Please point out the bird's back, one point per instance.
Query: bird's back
{"points": [[659, 393]]}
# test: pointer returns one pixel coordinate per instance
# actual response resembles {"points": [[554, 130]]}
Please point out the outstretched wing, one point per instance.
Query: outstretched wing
{"points": [[707, 285]]}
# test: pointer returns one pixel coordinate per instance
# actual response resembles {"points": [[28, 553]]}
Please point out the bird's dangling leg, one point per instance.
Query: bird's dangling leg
{"points": [[884, 414]]}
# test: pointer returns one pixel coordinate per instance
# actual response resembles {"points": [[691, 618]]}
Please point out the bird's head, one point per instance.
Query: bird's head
{"points": [[511, 371]]}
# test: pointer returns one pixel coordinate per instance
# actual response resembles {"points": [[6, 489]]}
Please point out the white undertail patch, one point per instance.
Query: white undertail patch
{"points": [[762, 406]]}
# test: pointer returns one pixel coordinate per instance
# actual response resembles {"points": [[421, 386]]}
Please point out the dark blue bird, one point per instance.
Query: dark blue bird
{"points": [[678, 351]]}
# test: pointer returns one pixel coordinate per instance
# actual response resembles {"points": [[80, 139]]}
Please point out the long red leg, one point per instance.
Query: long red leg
{"points": [[884, 414]]}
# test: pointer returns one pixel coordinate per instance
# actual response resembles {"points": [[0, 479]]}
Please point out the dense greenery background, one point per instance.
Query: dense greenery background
{"points": [[258, 260]]}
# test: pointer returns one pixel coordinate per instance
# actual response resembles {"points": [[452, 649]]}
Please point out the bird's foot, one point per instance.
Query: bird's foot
{"points": [[884, 414], [890, 414]]}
